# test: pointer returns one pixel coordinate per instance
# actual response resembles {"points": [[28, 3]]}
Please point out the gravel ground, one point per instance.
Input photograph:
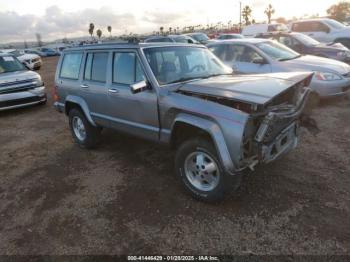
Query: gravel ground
{"points": [[124, 198]]}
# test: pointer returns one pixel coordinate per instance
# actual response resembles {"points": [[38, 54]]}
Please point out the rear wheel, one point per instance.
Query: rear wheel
{"points": [[201, 171], [84, 134]]}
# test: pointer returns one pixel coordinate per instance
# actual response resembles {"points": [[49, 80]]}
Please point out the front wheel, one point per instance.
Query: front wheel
{"points": [[201, 171], [84, 134]]}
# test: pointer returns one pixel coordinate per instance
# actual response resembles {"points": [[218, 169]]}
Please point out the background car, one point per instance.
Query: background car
{"points": [[35, 52], [31, 61], [229, 36], [171, 39], [251, 56], [199, 37], [49, 51], [19, 87], [324, 30], [306, 45], [256, 29]]}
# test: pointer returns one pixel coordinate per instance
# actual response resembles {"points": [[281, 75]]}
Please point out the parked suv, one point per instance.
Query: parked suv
{"points": [[183, 96], [324, 30], [19, 87]]}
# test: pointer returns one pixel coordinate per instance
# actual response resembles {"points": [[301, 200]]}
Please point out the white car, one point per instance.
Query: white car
{"points": [[31, 61], [257, 29], [324, 30]]}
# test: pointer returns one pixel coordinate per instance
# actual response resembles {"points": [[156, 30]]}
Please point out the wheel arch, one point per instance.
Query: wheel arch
{"points": [[78, 102], [195, 126]]}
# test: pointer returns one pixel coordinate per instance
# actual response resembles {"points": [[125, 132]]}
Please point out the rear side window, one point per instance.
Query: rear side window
{"points": [[71, 65], [302, 27], [96, 67], [127, 68]]}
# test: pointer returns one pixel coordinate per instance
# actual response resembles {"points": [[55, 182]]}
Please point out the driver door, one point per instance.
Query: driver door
{"points": [[135, 114]]}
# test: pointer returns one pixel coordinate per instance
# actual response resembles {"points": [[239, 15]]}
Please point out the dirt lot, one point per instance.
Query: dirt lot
{"points": [[123, 198]]}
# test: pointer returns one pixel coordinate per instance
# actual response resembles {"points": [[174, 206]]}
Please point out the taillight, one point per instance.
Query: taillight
{"points": [[55, 95]]}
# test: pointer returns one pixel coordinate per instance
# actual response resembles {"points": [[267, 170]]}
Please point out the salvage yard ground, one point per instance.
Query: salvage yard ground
{"points": [[124, 198]]}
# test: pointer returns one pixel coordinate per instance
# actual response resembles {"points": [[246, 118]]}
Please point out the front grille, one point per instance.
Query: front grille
{"points": [[17, 89], [19, 101], [9, 84]]}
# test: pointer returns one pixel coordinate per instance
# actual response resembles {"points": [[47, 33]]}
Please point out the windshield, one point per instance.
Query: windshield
{"points": [[178, 64], [277, 51], [200, 37], [16, 53], [10, 64], [335, 24], [306, 40]]}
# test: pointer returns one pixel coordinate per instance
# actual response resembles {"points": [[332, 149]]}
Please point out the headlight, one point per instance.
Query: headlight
{"points": [[325, 76], [27, 61], [343, 54], [38, 82]]}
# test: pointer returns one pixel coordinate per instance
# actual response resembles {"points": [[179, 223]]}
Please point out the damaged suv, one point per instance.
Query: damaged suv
{"points": [[183, 96]]}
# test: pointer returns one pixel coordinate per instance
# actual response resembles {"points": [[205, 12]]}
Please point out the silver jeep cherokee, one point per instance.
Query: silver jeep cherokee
{"points": [[182, 95]]}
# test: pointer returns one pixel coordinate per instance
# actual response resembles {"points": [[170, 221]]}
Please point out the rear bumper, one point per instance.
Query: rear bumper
{"points": [[22, 99], [59, 106]]}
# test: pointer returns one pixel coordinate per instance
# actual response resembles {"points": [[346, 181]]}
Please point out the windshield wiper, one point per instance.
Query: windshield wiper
{"points": [[289, 58], [183, 79]]}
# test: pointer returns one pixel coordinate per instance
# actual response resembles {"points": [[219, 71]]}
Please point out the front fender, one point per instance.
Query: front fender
{"points": [[215, 132], [83, 105]]}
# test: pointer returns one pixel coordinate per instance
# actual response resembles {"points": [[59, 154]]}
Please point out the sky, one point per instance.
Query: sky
{"points": [[21, 19]]}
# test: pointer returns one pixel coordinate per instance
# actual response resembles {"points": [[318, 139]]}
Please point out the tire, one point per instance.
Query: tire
{"points": [[89, 135], [189, 156]]}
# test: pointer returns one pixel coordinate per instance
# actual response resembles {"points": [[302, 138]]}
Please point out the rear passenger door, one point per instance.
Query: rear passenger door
{"points": [[135, 114], [94, 85]]}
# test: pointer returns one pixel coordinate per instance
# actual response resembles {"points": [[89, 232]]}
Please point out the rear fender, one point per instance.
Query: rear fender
{"points": [[83, 105]]}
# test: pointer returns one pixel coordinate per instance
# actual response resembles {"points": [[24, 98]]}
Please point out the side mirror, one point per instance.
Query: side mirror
{"points": [[139, 87], [259, 61]]}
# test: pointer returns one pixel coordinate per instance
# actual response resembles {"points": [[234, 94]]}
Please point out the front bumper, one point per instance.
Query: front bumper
{"points": [[22, 99]]}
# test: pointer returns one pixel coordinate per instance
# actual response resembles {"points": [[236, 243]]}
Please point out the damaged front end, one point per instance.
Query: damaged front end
{"points": [[274, 132]]}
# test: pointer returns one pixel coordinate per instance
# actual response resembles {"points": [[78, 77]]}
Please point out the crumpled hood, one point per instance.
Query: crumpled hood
{"points": [[315, 63], [256, 89], [12, 77]]}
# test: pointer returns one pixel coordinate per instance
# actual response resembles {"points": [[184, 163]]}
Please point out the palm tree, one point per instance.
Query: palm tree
{"points": [[246, 13], [91, 29], [170, 29], [99, 33], [269, 11], [161, 30], [109, 29]]}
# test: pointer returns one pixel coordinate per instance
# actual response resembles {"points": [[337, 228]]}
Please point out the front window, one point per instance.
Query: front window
{"points": [[127, 69], [177, 64], [10, 64], [277, 51], [335, 24], [306, 40], [200, 37]]}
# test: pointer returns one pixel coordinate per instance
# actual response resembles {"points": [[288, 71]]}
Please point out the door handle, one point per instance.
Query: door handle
{"points": [[84, 86], [113, 90]]}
